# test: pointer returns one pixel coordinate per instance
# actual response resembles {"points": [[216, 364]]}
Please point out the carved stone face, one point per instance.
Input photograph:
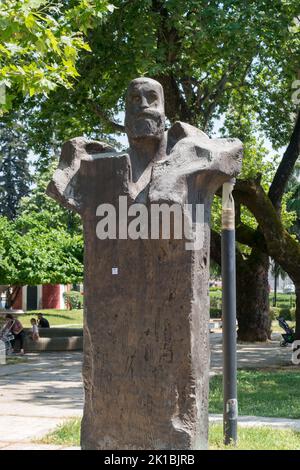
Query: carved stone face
{"points": [[145, 115]]}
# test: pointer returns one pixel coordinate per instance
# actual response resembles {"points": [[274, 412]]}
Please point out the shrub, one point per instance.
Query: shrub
{"points": [[215, 312], [293, 314], [274, 313], [216, 302], [216, 293], [73, 299], [283, 300], [215, 289], [286, 313]]}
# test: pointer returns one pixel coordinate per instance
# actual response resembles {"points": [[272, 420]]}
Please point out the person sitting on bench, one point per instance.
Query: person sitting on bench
{"points": [[17, 329], [42, 322]]}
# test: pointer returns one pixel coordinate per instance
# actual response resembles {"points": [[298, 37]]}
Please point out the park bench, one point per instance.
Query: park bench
{"points": [[55, 339]]}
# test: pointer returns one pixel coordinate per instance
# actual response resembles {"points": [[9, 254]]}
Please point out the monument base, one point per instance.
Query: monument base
{"points": [[146, 341]]}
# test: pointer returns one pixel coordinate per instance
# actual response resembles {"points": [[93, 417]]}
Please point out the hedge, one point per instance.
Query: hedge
{"points": [[286, 313], [73, 299], [215, 312]]}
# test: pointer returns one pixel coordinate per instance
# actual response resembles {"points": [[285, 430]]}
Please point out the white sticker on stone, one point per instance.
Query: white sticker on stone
{"points": [[115, 271]]}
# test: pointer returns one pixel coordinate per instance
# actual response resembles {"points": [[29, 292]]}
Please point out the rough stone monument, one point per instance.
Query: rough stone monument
{"points": [[146, 313]]}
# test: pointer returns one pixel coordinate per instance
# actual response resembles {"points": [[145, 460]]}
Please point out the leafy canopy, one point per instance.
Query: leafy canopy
{"points": [[43, 244], [40, 43], [212, 58]]}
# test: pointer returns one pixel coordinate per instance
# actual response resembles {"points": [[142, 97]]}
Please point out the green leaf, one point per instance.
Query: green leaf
{"points": [[30, 21]]}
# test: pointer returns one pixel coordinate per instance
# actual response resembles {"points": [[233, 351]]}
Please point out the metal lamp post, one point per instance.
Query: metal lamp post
{"points": [[230, 413]]}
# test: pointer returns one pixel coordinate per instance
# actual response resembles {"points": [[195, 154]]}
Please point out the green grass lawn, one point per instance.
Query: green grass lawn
{"points": [[55, 317], [259, 438], [273, 393], [68, 434]]}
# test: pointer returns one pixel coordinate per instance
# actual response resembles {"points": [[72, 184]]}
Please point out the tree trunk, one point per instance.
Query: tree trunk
{"points": [[254, 322], [280, 245]]}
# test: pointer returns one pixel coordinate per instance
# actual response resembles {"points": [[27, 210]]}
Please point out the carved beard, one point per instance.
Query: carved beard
{"points": [[147, 124]]}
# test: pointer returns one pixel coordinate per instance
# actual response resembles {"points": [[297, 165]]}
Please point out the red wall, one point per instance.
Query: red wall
{"points": [[51, 296], [18, 302]]}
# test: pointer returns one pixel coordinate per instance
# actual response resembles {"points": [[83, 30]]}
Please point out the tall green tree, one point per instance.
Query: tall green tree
{"points": [[43, 244], [38, 256], [252, 264], [15, 175], [207, 54]]}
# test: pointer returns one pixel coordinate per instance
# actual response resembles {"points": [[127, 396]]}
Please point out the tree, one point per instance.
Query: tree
{"points": [[271, 236], [15, 175], [39, 210], [40, 42], [252, 265], [293, 202], [292, 206], [233, 59], [267, 209], [205, 53], [43, 245], [38, 256]]}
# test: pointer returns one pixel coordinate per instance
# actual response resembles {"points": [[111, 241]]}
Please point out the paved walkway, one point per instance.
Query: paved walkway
{"points": [[38, 395], [32, 446], [252, 355], [41, 393]]}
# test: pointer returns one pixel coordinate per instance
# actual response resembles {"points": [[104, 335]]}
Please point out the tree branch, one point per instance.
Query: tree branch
{"points": [[103, 116], [176, 107], [214, 98], [286, 167], [250, 237], [244, 234], [281, 246]]}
